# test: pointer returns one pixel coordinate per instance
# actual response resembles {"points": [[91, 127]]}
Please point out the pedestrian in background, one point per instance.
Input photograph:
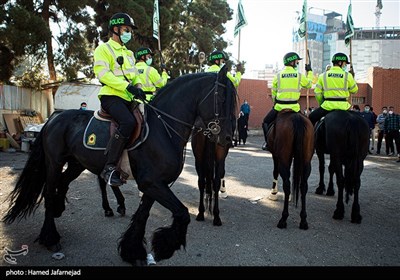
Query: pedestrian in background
{"points": [[381, 131]]}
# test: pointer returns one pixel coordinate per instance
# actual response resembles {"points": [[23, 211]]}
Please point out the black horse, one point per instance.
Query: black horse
{"points": [[291, 139], [155, 163], [344, 136]]}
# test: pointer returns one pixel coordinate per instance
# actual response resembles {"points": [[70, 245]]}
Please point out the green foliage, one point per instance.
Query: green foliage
{"points": [[62, 34]]}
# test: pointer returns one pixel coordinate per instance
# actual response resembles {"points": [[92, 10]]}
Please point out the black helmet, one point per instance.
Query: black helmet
{"points": [[119, 19], [340, 57], [143, 51], [289, 57], [215, 55]]}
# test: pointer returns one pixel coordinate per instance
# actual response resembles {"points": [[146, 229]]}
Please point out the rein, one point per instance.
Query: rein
{"points": [[212, 127]]}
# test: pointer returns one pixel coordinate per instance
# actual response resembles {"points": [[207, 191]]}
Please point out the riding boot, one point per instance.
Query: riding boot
{"points": [[114, 151], [265, 129]]}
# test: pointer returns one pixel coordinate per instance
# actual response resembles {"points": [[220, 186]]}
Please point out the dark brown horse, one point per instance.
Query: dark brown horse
{"points": [[210, 168], [291, 139]]}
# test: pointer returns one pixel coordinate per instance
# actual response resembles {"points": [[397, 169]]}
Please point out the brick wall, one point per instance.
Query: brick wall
{"points": [[382, 89]]}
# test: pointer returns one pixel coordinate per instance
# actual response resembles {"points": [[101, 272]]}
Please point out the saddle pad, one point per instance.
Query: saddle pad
{"points": [[97, 134]]}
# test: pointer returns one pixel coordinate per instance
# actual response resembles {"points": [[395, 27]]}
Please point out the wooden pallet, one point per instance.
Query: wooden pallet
{"points": [[25, 120]]}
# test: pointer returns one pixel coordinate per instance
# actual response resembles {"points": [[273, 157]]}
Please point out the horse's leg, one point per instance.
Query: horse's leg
{"points": [[132, 244], [74, 169], [167, 240], [274, 192], [339, 211], [304, 190], [219, 173], [330, 191], [284, 171], [321, 166], [355, 210], [108, 212], [49, 236], [201, 184]]}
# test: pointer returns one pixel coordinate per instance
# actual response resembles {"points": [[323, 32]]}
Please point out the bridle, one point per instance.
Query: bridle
{"points": [[209, 129]]}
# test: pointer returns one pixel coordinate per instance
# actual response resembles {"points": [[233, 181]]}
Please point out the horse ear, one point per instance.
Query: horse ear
{"points": [[222, 74]]}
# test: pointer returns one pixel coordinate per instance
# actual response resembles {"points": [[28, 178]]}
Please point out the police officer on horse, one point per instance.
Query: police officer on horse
{"points": [[333, 88], [286, 87]]}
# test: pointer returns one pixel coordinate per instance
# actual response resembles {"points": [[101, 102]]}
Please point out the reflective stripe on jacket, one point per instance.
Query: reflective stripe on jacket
{"points": [[335, 84], [234, 79], [286, 87], [150, 78], [110, 73]]}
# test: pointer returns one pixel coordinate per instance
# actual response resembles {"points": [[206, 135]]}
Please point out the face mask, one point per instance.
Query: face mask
{"points": [[221, 64], [366, 110], [344, 68], [149, 61], [126, 37], [83, 108], [385, 111], [390, 112]]}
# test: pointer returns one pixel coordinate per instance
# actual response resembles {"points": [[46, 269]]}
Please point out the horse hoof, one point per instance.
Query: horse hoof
{"points": [[304, 225], [356, 220], [217, 222], [54, 248], [223, 194], [108, 213], [273, 196], [338, 216], [282, 224], [200, 217], [121, 211]]}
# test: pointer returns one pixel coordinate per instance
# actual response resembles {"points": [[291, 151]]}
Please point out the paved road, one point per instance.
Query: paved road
{"points": [[248, 236]]}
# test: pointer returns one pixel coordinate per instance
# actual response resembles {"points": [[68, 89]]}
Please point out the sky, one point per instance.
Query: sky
{"points": [[268, 35]]}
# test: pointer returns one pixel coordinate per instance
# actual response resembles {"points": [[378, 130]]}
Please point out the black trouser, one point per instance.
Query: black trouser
{"points": [[394, 135], [317, 114], [270, 117], [381, 133], [120, 110]]}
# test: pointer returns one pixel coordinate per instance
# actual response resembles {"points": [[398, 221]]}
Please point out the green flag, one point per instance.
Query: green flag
{"points": [[379, 4], [240, 19], [349, 27], [303, 21], [156, 21]]}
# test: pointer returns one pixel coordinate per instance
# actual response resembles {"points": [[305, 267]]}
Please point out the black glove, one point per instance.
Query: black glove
{"points": [[352, 71], [138, 93], [163, 66], [308, 67], [239, 67]]}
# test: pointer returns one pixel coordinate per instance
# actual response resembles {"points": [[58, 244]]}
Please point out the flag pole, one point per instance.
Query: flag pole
{"points": [[351, 67], [239, 49]]}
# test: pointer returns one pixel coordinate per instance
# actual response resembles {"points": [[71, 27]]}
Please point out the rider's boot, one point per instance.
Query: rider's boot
{"points": [[114, 151]]}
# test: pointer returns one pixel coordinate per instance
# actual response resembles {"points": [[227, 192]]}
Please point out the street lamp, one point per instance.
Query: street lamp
{"points": [[202, 57]]}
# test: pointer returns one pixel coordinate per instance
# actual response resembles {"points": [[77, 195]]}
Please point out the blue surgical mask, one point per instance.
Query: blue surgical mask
{"points": [[126, 37], [344, 68], [149, 61]]}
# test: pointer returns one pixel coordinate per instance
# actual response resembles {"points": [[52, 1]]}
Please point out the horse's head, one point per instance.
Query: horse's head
{"points": [[217, 109]]}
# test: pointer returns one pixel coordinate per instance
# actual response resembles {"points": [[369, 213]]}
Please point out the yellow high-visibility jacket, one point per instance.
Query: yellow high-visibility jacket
{"points": [[150, 79], [111, 74], [234, 79], [286, 87], [333, 89]]}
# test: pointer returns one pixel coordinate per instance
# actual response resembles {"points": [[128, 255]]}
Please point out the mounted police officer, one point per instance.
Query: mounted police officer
{"points": [[150, 79], [218, 60], [333, 88], [286, 87], [114, 66]]}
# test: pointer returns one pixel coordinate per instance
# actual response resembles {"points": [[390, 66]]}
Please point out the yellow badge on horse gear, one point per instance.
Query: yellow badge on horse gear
{"points": [[91, 140]]}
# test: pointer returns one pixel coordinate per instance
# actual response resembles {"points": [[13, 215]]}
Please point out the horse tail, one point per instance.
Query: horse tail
{"points": [[355, 153], [299, 128], [24, 199]]}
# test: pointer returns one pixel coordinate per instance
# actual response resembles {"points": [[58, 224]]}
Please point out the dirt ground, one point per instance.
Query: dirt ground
{"points": [[248, 236]]}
